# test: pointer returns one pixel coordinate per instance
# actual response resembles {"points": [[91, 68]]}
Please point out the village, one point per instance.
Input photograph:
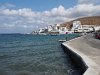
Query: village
{"points": [[77, 27]]}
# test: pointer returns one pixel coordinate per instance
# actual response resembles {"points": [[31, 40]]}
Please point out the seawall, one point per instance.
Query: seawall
{"points": [[85, 52]]}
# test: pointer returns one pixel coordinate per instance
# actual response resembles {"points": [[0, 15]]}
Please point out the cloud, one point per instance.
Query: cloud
{"points": [[6, 5], [83, 10], [28, 20], [21, 12], [89, 1]]}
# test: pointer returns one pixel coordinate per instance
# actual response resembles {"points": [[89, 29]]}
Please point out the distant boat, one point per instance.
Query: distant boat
{"points": [[53, 34], [42, 33], [62, 40]]}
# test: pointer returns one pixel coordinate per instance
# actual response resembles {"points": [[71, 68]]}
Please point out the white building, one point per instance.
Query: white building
{"points": [[41, 30], [76, 25], [97, 28], [57, 28], [78, 28], [50, 28], [63, 30]]}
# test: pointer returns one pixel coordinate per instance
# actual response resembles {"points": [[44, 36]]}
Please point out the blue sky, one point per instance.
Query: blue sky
{"points": [[24, 16], [40, 5]]}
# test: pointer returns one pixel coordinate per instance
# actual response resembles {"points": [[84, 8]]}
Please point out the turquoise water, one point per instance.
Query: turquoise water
{"points": [[34, 55]]}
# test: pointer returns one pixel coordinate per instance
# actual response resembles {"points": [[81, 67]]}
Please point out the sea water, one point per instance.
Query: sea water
{"points": [[22, 54]]}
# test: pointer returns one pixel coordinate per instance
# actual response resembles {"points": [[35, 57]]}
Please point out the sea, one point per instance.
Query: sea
{"points": [[22, 54]]}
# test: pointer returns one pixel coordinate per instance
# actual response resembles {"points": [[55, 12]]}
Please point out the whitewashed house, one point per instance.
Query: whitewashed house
{"points": [[57, 28], [50, 28], [79, 28], [97, 28], [41, 30], [63, 30]]}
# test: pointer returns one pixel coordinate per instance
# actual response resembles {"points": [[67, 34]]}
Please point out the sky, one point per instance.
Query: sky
{"points": [[25, 16]]}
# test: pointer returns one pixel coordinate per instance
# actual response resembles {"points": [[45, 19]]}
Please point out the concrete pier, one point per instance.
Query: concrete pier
{"points": [[85, 51]]}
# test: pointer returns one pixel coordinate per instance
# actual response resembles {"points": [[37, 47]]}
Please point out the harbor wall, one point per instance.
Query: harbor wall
{"points": [[76, 59], [88, 66]]}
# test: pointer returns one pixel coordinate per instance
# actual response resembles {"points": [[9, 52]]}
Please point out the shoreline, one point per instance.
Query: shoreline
{"points": [[82, 60]]}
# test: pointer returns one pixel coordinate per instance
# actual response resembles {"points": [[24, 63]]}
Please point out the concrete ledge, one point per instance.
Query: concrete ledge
{"points": [[88, 66]]}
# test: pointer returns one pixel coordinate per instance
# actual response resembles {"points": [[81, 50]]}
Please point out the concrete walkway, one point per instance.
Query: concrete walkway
{"points": [[88, 48]]}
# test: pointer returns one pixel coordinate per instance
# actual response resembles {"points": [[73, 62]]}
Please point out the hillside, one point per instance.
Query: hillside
{"points": [[93, 20]]}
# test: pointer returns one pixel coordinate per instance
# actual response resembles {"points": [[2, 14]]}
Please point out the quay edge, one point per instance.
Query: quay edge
{"points": [[88, 66]]}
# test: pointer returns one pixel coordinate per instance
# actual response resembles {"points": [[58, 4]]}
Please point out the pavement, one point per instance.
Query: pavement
{"points": [[88, 48]]}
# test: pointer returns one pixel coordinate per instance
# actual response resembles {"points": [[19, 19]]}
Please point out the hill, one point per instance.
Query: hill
{"points": [[93, 20]]}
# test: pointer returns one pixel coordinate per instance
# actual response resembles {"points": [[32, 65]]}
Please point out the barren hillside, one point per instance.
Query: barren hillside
{"points": [[94, 20]]}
